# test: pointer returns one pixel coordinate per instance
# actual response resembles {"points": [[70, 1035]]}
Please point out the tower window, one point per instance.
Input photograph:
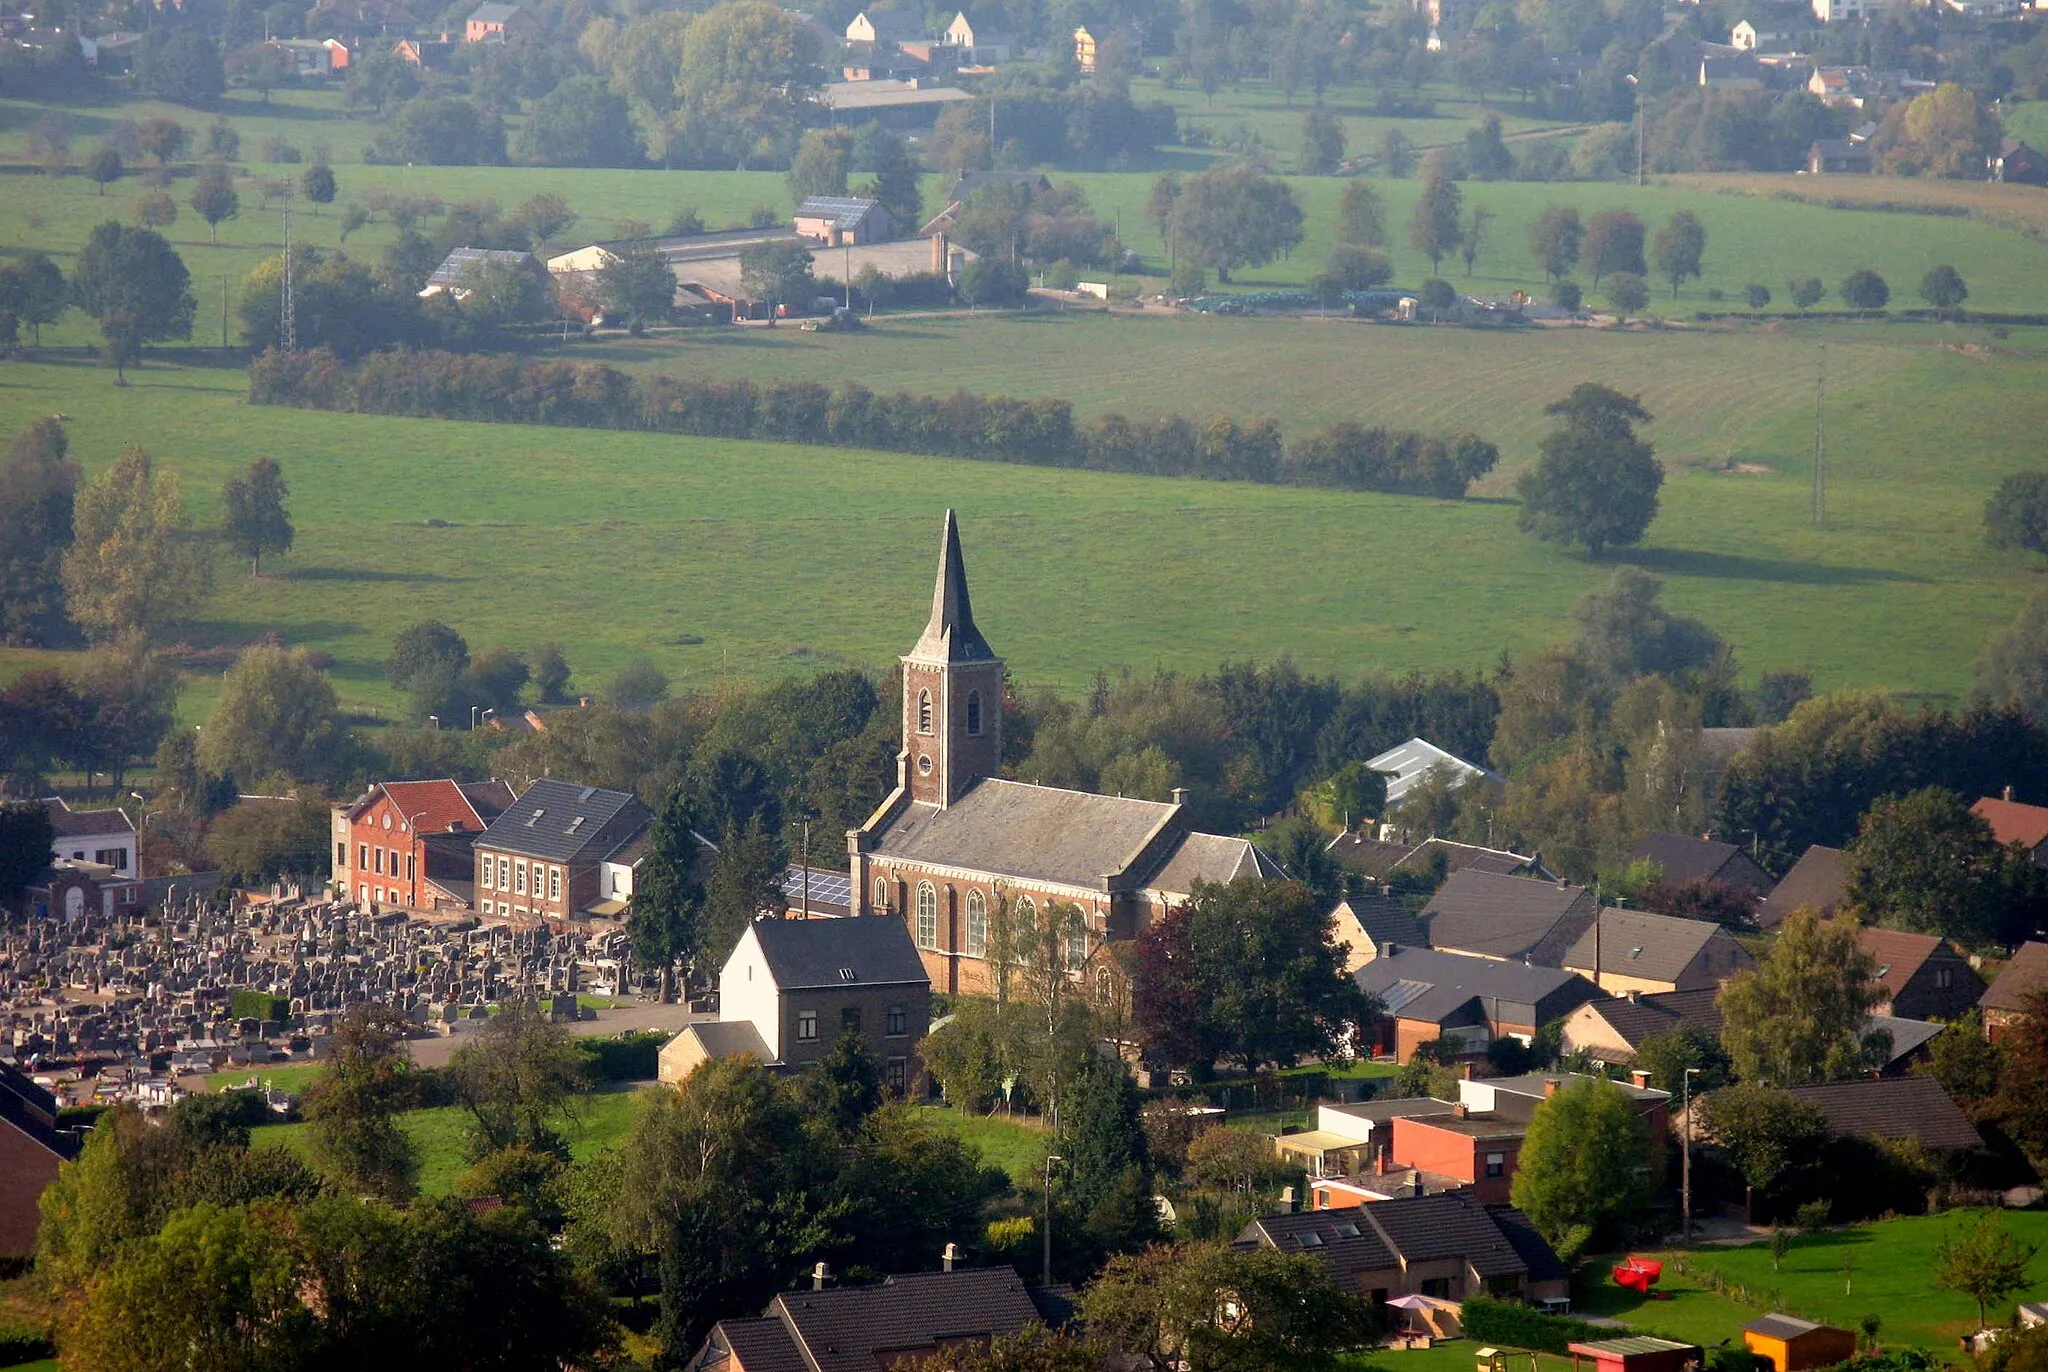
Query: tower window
{"points": [[974, 712], [927, 915], [924, 712]]}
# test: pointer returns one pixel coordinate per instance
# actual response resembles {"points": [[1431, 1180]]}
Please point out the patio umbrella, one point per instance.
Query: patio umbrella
{"points": [[1411, 1303]]}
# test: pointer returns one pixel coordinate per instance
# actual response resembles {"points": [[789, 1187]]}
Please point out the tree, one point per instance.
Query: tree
{"points": [[1624, 633], [823, 159], [1397, 154], [1943, 288], [1169, 1003], [776, 274], [134, 564], [518, 1079], [639, 682], [1627, 294], [1756, 295], [1796, 1017], [636, 285], [1568, 297], [1361, 216], [1433, 226], [1678, 248], [38, 487], [747, 69], [1766, 1134], [254, 845], [1270, 971], [1322, 144], [275, 715], [540, 217], [156, 210], [668, 892], [1357, 269], [255, 521], [1160, 1308], [1666, 1057], [2013, 672], [266, 68], [1805, 292], [746, 877], [104, 167], [582, 122], [1235, 216], [32, 288], [2016, 516], [427, 663], [1980, 1258], [992, 281], [354, 1105], [180, 64], [1486, 153], [1103, 1140], [1967, 1064], [1472, 236], [214, 198], [26, 838], [1946, 132], [1927, 863], [1595, 482], [1555, 238], [443, 132], [550, 673], [1614, 243], [319, 184], [135, 285], [1864, 289], [1583, 1159], [896, 175], [908, 1185]]}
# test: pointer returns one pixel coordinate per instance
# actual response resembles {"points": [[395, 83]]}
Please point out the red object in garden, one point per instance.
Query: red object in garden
{"points": [[1638, 1274]]}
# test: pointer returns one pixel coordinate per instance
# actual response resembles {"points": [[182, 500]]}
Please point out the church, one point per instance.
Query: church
{"points": [[954, 839]]}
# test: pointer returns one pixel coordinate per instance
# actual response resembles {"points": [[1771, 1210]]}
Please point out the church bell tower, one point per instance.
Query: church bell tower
{"points": [[952, 693]]}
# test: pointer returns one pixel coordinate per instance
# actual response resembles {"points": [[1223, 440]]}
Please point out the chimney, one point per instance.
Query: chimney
{"points": [[2008, 793], [1386, 889], [1180, 795], [949, 1257], [1466, 1072], [583, 702], [938, 254], [1461, 1111], [819, 1276], [1640, 1078], [1288, 1202], [1549, 1089]]}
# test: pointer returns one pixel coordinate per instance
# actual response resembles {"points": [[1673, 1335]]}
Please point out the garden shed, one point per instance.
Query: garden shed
{"points": [[1634, 1353], [1792, 1343]]}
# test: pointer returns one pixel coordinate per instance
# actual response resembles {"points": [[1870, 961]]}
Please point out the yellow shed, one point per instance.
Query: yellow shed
{"points": [[1793, 1344]]}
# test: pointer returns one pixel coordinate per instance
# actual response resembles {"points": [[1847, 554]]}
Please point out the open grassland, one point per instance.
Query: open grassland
{"points": [[785, 559], [2023, 208], [1016, 1146]]}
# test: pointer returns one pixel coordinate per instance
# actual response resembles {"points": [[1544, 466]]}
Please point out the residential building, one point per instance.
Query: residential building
{"points": [[2018, 164], [954, 841], [1749, 38], [1791, 1344], [981, 47], [1682, 858], [70, 888], [892, 103], [451, 276], [884, 27], [313, 57], [1635, 950], [873, 1328], [1613, 1031], [1366, 924], [1924, 976], [1389, 854], [1447, 1247], [2006, 1001], [792, 987], [32, 1148], [1084, 50], [1428, 995], [494, 23], [408, 843], [1408, 765], [2013, 823], [1894, 1109], [543, 857], [1819, 882], [837, 219], [105, 838], [1518, 918], [1354, 1141]]}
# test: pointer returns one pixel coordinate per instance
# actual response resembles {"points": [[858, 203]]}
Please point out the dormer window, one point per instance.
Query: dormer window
{"points": [[534, 818], [924, 712]]}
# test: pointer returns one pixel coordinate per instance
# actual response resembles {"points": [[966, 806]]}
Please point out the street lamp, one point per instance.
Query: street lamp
{"points": [[1639, 126], [1045, 1273], [1685, 1164], [413, 855]]}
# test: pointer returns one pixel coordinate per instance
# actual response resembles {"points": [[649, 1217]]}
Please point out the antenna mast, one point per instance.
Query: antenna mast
{"points": [[1820, 441], [288, 324]]}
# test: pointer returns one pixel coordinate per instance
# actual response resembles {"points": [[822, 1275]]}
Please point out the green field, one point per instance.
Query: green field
{"points": [[1016, 1147], [295, 1077], [604, 1118]]}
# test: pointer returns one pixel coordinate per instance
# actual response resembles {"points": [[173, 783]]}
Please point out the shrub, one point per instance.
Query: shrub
{"points": [[261, 1005], [1813, 1216], [21, 1342], [629, 1057], [1491, 1321]]}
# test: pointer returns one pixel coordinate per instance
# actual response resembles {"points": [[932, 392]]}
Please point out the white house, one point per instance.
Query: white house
{"points": [[982, 48], [105, 837], [1750, 38], [1838, 11]]}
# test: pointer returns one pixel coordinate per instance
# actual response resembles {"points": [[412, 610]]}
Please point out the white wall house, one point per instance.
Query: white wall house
{"points": [[106, 837]]}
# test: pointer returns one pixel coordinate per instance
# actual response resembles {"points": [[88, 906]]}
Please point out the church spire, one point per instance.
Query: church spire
{"points": [[951, 636]]}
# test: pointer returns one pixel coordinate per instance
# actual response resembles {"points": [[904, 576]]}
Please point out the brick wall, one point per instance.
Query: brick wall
{"points": [[26, 1168]]}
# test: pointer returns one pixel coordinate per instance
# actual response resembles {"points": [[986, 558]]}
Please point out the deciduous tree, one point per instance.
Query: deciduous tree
{"points": [[1767, 1135], [254, 519], [355, 1102], [1235, 216], [1555, 239], [38, 486], [135, 285], [1583, 1160], [1595, 482], [1434, 226], [214, 198], [1978, 1257], [1614, 243], [1678, 248], [1943, 288], [275, 716], [1361, 216], [1925, 862], [1864, 289], [1797, 1017], [135, 565], [1161, 1308], [518, 1079]]}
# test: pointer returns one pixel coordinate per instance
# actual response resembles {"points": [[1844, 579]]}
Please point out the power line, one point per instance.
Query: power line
{"points": [[1820, 440], [288, 324]]}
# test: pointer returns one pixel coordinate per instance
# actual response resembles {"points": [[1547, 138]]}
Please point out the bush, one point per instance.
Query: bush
{"points": [[629, 1057], [259, 1005], [1813, 1216], [1491, 1321], [24, 1343]]}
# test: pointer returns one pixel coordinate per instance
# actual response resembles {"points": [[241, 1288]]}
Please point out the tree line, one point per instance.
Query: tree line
{"points": [[992, 428]]}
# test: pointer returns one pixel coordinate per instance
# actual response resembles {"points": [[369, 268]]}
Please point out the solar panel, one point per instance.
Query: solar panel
{"points": [[827, 887]]}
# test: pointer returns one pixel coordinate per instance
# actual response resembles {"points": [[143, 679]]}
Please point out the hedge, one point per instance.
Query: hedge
{"points": [[629, 1057], [23, 1343], [1491, 1321], [511, 390], [259, 1005]]}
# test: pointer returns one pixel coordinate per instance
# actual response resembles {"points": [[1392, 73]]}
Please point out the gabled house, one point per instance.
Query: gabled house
{"points": [[452, 275], [1924, 976], [408, 843], [1447, 1247], [1366, 924], [1839, 155], [981, 47], [2013, 823], [1683, 858], [32, 1148], [884, 27], [105, 838], [1635, 950], [1894, 1108], [1749, 38], [1516, 918], [2018, 164], [543, 858], [840, 219], [1819, 882], [1408, 765], [1427, 995], [2004, 1002], [792, 987], [872, 1328], [1613, 1031], [494, 22]]}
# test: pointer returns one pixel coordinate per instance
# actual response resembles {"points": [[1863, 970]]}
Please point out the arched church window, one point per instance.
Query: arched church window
{"points": [[974, 712], [977, 925], [924, 712], [881, 894], [927, 915]]}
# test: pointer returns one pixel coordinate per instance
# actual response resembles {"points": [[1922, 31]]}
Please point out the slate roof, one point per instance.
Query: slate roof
{"points": [[1434, 987], [725, 1039], [1211, 857], [492, 13], [1012, 829], [33, 1111], [1458, 857], [1908, 1035], [1780, 1326], [1634, 1019], [950, 635], [1409, 764], [809, 953], [1684, 858], [70, 823], [1818, 881], [1374, 857], [1701, 1009], [1893, 1108], [2013, 822], [865, 1329], [894, 26], [562, 822], [1638, 943], [2026, 971], [1335, 1238], [1497, 1240], [1384, 919], [971, 181], [1507, 917]]}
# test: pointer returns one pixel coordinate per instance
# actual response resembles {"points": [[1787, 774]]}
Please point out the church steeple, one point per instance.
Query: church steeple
{"points": [[952, 692], [951, 636]]}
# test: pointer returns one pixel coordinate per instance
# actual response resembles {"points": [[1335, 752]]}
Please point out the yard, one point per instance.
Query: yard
{"points": [[1016, 1145]]}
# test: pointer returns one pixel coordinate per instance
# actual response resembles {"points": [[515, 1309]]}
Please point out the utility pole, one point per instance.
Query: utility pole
{"points": [[287, 323], [1045, 1271], [1685, 1163], [223, 311], [1820, 440]]}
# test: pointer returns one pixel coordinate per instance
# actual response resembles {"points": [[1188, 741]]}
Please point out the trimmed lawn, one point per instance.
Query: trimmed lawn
{"points": [[294, 1077], [1016, 1147]]}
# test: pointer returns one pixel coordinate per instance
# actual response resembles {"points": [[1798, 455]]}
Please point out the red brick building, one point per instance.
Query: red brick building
{"points": [[955, 847], [407, 844], [31, 1148], [544, 857]]}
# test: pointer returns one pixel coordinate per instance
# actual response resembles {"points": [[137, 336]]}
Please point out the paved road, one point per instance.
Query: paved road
{"points": [[652, 1016]]}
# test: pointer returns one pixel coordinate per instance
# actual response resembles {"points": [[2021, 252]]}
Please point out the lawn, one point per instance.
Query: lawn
{"points": [[441, 1134], [1013, 1145], [294, 1077]]}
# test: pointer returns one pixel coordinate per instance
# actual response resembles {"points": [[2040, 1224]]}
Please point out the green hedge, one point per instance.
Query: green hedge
{"points": [[247, 1004], [1519, 1326], [23, 1343], [629, 1057]]}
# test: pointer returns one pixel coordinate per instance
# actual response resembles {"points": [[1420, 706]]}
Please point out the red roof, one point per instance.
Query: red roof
{"points": [[2012, 822], [434, 807], [1898, 954]]}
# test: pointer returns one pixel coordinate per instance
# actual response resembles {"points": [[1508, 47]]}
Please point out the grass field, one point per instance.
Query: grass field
{"points": [[1015, 1146], [294, 1077]]}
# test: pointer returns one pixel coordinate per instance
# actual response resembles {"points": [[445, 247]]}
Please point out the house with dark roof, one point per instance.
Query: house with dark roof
{"points": [[1819, 882], [1447, 1246], [1636, 950], [32, 1148], [873, 1328], [954, 844], [104, 837], [791, 987], [408, 844], [543, 857], [874, 26], [1839, 155], [2016, 824], [2005, 1001], [1924, 976], [494, 23], [1613, 1031], [1427, 995], [1366, 924], [1894, 1108], [2018, 164], [1682, 858], [454, 273], [1513, 918]]}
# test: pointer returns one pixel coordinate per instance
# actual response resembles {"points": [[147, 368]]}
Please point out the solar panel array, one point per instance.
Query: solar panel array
{"points": [[846, 211], [828, 887]]}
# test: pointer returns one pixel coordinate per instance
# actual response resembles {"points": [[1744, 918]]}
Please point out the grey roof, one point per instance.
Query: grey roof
{"points": [[950, 635], [70, 823], [847, 96], [461, 260], [1211, 857], [1497, 1240], [1637, 943], [32, 1112], [1908, 1036], [1459, 856], [1012, 829], [1536, 1085], [969, 182], [1894, 1108], [492, 13], [894, 26], [1384, 919], [725, 1039], [561, 822], [870, 951], [1397, 1108], [1434, 987], [1409, 764], [868, 1328], [848, 212], [1684, 858], [1780, 1326], [762, 1345], [1507, 917], [1340, 1240], [1635, 1019], [1819, 881], [1372, 856]]}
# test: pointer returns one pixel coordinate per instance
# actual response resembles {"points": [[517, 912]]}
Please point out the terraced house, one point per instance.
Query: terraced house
{"points": [[545, 857]]}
